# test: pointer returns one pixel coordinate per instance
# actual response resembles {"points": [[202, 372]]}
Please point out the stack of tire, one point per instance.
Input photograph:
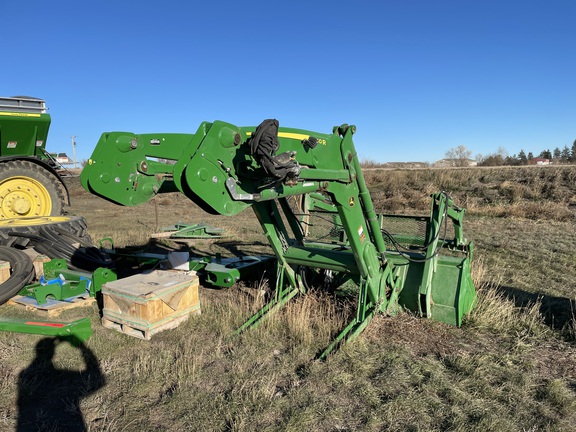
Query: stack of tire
{"points": [[56, 237]]}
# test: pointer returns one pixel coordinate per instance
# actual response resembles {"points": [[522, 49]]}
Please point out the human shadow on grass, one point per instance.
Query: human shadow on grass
{"points": [[49, 397], [557, 312]]}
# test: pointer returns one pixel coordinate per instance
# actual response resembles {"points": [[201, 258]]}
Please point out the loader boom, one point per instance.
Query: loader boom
{"points": [[225, 169]]}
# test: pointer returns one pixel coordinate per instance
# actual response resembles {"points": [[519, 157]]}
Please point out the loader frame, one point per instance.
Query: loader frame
{"points": [[218, 170]]}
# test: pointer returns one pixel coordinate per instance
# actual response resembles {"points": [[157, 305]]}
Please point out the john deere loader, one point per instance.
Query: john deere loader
{"points": [[390, 263]]}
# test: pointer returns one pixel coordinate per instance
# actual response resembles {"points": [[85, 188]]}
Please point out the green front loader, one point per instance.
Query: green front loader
{"points": [[225, 169]]}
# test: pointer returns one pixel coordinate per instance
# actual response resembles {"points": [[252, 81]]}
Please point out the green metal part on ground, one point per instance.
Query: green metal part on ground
{"points": [[225, 272], [191, 231], [224, 169], [216, 271], [76, 331], [60, 283]]}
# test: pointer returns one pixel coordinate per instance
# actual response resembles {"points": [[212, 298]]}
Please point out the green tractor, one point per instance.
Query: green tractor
{"points": [[29, 183], [32, 193]]}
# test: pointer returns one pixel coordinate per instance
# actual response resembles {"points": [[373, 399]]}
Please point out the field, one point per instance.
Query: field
{"points": [[510, 367]]}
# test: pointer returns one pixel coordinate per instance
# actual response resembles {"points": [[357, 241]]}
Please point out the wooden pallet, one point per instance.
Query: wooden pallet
{"points": [[51, 307], [147, 303], [143, 331]]}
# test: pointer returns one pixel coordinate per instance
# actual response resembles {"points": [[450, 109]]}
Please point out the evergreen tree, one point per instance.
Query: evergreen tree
{"points": [[511, 160], [565, 154], [522, 159], [546, 154], [530, 156]]}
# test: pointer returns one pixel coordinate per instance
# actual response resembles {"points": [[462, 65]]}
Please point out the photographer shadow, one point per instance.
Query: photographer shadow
{"points": [[49, 397]]}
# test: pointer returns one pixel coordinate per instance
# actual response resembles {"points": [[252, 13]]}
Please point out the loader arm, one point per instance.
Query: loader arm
{"points": [[223, 170]]}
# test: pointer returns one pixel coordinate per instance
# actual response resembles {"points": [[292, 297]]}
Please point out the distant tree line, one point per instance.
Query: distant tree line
{"points": [[501, 156]]}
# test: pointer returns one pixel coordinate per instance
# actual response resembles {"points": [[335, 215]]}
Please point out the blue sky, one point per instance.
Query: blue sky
{"points": [[416, 77]]}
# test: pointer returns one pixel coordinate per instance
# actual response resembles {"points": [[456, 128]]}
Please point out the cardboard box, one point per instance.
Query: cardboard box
{"points": [[147, 303]]}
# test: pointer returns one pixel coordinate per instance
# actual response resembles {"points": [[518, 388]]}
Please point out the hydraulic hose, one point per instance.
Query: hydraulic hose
{"points": [[78, 253], [22, 272]]}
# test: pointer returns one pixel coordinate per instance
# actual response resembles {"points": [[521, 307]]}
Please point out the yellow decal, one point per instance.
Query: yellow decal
{"points": [[296, 136], [291, 135], [288, 135], [19, 114], [351, 202]]}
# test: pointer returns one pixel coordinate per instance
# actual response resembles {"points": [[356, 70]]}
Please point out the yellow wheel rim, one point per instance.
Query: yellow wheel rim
{"points": [[22, 196], [32, 221]]}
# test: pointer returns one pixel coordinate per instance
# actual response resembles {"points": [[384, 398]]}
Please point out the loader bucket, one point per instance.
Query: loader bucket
{"points": [[449, 297], [453, 293], [433, 273]]}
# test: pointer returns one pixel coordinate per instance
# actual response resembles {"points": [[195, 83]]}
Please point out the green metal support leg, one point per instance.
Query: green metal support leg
{"points": [[282, 295]]}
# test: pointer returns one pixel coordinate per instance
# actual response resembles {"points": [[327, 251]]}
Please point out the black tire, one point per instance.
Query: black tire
{"points": [[29, 190], [75, 225], [22, 272]]}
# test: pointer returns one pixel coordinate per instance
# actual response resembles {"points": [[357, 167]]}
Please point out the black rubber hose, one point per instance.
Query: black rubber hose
{"points": [[64, 245], [22, 272]]}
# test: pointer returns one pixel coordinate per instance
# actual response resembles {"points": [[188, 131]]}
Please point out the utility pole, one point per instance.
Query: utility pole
{"points": [[74, 149]]}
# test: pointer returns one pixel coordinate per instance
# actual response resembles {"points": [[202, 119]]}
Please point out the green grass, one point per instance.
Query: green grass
{"points": [[511, 367]]}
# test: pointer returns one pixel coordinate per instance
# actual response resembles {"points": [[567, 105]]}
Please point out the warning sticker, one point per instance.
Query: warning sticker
{"points": [[361, 234], [12, 144]]}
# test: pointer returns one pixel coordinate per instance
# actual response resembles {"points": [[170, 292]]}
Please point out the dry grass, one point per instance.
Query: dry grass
{"points": [[511, 367], [545, 193]]}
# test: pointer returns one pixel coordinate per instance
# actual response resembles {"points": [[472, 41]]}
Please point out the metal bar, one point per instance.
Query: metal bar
{"points": [[340, 261], [80, 330], [268, 308], [351, 331]]}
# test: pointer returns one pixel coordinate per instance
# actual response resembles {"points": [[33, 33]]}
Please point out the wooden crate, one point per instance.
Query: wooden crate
{"points": [[145, 304], [4, 271], [38, 260]]}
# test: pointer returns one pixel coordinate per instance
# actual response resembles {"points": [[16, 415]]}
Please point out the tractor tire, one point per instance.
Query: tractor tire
{"points": [[29, 190], [22, 272], [75, 225]]}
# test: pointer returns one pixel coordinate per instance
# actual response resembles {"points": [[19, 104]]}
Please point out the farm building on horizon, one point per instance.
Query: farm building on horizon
{"points": [[539, 161], [63, 158], [449, 163]]}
